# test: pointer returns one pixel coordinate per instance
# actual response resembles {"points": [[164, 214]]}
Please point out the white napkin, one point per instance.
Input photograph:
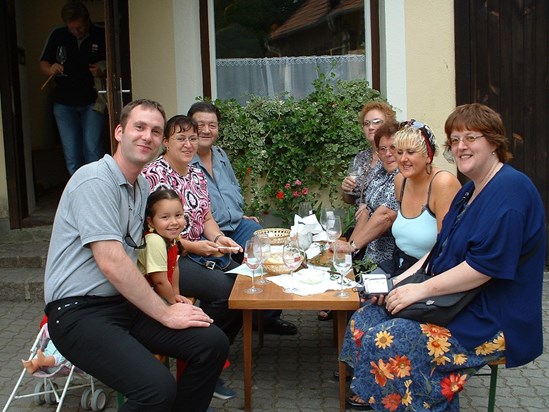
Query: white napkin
{"points": [[245, 270], [304, 289]]}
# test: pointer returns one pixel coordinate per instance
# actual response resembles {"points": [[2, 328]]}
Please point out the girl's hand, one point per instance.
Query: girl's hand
{"points": [[182, 299]]}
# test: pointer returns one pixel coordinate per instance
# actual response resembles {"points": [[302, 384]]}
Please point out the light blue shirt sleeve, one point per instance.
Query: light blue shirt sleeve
{"points": [[225, 195]]}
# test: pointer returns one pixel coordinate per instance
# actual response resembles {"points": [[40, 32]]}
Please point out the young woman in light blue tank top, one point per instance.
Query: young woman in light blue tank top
{"points": [[423, 192]]}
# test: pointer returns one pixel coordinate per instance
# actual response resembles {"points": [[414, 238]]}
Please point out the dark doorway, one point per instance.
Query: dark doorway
{"points": [[34, 161]]}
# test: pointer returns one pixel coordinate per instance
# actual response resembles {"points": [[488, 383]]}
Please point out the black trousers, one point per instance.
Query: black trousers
{"points": [[113, 341], [213, 288]]}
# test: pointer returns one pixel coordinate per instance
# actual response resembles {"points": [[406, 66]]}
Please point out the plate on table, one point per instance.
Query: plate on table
{"points": [[310, 276]]}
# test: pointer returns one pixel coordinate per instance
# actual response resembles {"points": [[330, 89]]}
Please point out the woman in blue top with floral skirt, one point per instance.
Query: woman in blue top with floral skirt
{"points": [[493, 235]]}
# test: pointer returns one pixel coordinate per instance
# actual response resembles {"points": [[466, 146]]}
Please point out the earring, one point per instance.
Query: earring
{"points": [[151, 229]]}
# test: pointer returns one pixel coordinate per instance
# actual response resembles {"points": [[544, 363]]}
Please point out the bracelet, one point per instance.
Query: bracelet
{"points": [[217, 237]]}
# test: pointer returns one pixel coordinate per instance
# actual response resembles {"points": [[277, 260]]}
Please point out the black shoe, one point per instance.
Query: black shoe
{"points": [[280, 327], [348, 373]]}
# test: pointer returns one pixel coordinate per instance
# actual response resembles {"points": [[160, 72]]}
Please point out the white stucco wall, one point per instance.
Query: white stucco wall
{"points": [[430, 65], [152, 46]]}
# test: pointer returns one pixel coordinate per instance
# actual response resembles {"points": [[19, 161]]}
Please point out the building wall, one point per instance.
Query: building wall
{"points": [[430, 65], [152, 52]]}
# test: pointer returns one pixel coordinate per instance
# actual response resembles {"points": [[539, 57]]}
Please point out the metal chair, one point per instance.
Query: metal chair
{"points": [[493, 382]]}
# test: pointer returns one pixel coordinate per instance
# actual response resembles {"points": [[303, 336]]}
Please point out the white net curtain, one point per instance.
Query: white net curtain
{"points": [[273, 77]]}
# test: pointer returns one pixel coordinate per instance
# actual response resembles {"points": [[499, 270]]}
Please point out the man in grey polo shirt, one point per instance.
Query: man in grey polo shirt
{"points": [[102, 314]]}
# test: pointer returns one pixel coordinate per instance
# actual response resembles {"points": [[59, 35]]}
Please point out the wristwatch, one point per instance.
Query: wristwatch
{"points": [[353, 246]]}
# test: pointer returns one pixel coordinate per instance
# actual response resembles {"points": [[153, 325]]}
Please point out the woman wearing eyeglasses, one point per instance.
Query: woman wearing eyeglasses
{"points": [[202, 237], [371, 117], [424, 193], [493, 236]]}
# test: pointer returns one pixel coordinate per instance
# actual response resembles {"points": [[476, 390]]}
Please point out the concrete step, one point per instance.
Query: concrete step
{"points": [[21, 284]]}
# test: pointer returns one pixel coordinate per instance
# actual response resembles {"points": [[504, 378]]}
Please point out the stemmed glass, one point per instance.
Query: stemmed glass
{"points": [[252, 258], [265, 243], [292, 255], [305, 209], [333, 228], [326, 213], [342, 263], [61, 56], [355, 171]]}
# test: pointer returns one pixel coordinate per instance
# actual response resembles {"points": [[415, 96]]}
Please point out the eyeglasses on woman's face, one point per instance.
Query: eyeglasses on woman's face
{"points": [[184, 139], [373, 122], [467, 139], [385, 150]]}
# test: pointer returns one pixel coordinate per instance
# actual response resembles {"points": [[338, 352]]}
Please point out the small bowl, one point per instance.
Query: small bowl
{"points": [[310, 276]]}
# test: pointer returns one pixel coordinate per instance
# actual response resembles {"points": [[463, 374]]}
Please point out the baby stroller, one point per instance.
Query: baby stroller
{"points": [[47, 390]]}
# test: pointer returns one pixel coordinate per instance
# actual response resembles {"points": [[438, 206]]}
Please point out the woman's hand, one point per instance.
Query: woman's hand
{"points": [[231, 245], [403, 296], [348, 184], [341, 245]]}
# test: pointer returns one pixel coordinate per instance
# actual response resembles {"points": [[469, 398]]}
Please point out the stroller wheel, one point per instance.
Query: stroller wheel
{"points": [[39, 398], [99, 400], [49, 396], [85, 400]]}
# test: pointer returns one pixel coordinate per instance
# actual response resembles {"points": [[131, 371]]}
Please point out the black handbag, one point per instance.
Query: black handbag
{"points": [[439, 310]]}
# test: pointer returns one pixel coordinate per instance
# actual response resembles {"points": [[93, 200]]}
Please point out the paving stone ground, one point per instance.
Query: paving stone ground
{"points": [[291, 373]]}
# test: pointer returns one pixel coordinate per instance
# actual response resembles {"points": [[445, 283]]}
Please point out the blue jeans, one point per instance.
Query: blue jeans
{"points": [[81, 131]]}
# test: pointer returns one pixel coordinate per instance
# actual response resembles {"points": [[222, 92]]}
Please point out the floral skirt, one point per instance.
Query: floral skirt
{"points": [[404, 365]]}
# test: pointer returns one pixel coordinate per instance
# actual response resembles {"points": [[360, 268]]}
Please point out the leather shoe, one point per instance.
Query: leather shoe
{"points": [[280, 327]]}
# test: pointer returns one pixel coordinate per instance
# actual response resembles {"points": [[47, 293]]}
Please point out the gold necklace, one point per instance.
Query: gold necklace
{"points": [[485, 180]]}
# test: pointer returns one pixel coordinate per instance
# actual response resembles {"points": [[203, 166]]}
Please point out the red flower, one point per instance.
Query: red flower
{"points": [[305, 191], [287, 186], [296, 193], [392, 401], [452, 384], [280, 195], [248, 170], [297, 182]]}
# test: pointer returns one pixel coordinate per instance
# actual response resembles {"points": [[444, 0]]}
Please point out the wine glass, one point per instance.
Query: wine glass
{"points": [[305, 209], [342, 263], [61, 56], [326, 213], [292, 255], [333, 228], [355, 171], [252, 258], [265, 243]]}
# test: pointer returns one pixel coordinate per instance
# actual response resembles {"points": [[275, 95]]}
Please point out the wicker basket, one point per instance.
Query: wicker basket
{"points": [[277, 236], [277, 268]]}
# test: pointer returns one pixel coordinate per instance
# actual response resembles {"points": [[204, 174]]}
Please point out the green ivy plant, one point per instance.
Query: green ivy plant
{"points": [[274, 142]]}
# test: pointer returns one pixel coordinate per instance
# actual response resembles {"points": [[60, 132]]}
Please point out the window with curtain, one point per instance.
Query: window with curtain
{"points": [[278, 47]]}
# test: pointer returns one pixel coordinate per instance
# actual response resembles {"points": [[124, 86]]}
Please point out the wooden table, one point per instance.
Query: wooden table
{"points": [[273, 297]]}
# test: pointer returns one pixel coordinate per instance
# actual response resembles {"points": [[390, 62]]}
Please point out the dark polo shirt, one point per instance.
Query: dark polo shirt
{"points": [[77, 88]]}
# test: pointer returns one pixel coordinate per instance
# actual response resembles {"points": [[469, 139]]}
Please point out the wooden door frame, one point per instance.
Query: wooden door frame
{"points": [[18, 207], [118, 61]]}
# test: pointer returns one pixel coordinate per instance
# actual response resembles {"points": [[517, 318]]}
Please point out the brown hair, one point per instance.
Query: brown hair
{"points": [[386, 129], [146, 103], [481, 118], [383, 107], [74, 10]]}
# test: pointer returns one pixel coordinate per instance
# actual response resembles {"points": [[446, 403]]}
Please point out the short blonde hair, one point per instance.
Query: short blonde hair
{"points": [[417, 135]]}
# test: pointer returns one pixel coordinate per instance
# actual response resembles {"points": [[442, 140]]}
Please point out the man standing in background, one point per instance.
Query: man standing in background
{"points": [[75, 55]]}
